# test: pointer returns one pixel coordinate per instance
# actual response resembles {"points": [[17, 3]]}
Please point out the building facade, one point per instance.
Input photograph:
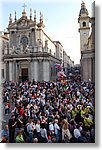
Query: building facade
{"points": [[59, 51], [67, 63], [4, 41], [30, 53], [87, 43]]}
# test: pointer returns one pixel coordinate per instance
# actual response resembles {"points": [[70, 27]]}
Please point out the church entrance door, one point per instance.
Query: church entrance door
{"points": [[24, 74]]}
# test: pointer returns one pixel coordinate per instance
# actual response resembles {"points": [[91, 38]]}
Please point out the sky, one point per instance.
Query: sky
{"points": [[60, 19]]}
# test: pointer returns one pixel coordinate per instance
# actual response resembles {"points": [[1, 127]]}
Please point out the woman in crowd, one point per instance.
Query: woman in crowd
{"points": [[65, 130], [19, 137]]}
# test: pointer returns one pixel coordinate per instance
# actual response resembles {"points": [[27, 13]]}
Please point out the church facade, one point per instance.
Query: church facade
{"points": [[30, 54], [87, 43]]}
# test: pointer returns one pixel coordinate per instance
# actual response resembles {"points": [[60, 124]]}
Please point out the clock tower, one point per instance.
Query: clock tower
{"points": [[84, 28]]}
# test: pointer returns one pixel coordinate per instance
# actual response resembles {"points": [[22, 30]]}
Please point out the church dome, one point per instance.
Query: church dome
{"points": [[83, 9]]}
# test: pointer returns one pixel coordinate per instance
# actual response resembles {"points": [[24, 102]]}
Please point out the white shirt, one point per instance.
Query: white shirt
{"points": [[43, 133], [29, 128], [51, 127], [37, 127], [56, 127], [77, 133]]}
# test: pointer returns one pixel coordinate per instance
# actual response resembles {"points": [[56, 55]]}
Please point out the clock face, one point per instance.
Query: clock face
{"points": [[84, 33], [24, 40]]}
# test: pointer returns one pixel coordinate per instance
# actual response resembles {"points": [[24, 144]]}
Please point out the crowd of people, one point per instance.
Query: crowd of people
{"points": [[49, 112]]}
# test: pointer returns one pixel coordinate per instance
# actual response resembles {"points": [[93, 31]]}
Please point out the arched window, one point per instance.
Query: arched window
{"points": [[84, 24]]}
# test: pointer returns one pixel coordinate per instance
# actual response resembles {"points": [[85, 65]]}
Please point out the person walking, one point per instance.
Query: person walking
{"points": [[56, 129], [12, 125]]}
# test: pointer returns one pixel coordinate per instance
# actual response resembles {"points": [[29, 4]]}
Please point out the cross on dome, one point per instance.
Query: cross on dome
{"points": [[24, 13], [24, 5]]}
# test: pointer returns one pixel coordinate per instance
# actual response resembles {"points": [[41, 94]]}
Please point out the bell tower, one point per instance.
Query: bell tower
{"points": [[84, 28]]}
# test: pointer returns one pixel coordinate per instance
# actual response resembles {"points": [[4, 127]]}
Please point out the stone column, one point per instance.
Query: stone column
{"points": [[29, 70], [17, 71], [7, 71], [85, 69], [50, 70], [35, 70], [89, 69], [46, 71], [10, 71], [93, 69], [40, 70], [14, 71], [32, 70]]}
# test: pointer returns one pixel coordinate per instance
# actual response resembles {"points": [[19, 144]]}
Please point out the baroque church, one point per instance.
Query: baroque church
{"points": [[30, 53], [87, 42]]}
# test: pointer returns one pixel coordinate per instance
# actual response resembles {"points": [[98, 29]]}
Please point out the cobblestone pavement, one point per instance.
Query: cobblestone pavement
{"points": [[5, 118]]}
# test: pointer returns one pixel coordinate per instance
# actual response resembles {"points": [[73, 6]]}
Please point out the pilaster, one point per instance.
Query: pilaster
{"points": [[10, 70], [46, 71], [35, 70], [29, 70]]}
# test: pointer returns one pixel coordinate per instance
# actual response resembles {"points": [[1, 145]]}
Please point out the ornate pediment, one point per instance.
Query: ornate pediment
{"points": [[20, 23], [25, 22]]}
